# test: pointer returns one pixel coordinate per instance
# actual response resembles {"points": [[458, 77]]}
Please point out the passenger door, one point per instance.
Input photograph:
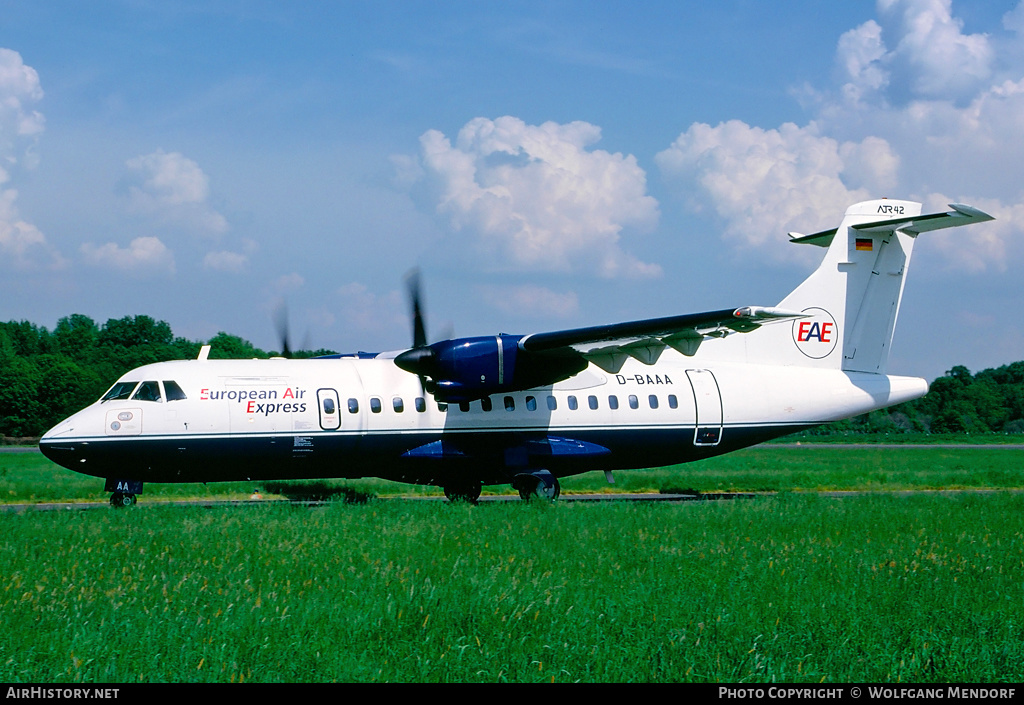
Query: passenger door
{"points": [[329, 408], [708, 402]]}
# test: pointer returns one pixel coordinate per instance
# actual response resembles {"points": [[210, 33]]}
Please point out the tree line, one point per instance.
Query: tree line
{"points": [[47, 375], [990, 401]]}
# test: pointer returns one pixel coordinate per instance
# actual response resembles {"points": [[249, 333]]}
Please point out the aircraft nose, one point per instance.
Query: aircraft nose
{"points": [[63, 452]]}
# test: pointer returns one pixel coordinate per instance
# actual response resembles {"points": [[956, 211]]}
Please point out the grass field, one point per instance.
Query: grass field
{"points": [[29, 477], [877, 587]]}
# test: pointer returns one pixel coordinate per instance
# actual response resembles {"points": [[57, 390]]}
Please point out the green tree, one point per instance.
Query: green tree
{"points": [[230, 347], [135, 331], [76, 335]]}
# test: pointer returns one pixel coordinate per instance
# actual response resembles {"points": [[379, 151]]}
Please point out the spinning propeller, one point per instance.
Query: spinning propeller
{"points": [[281, 324], [421, 358]]}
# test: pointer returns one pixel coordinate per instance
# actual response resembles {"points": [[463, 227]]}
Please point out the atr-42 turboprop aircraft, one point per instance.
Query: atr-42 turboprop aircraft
{"points": [[527, 409]]}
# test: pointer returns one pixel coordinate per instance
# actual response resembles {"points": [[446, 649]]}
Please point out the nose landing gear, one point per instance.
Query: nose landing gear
{"points": [[119, 499], [124, 491]]}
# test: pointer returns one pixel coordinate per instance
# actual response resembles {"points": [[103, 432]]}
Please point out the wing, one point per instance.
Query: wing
{"points": [[466, 369], [610, 346]]}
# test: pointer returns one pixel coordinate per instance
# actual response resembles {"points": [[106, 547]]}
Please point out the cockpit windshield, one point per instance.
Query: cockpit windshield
{"points": [[148, 391], [121, 390], [174, 392]]}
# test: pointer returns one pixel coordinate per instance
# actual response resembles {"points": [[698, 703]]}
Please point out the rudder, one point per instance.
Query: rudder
{"points": [[852, 299]]}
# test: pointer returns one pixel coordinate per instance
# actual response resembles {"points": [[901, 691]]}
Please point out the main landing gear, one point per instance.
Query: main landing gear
{"points": [[463, 492], [540, 485], [537, 485]]}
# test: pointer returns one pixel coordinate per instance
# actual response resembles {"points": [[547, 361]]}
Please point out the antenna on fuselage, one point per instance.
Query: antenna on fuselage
{"points": [[204, 353]]}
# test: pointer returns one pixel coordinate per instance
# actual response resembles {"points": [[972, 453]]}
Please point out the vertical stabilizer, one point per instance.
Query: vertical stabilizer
{"points": [[853, 298]]}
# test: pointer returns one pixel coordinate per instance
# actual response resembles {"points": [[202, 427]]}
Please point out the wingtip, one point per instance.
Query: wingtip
{"points": [[971, 212], [766, 313]]}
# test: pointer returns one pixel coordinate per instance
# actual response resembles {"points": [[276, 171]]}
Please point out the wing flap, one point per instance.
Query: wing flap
{"points": [[610, 346]]}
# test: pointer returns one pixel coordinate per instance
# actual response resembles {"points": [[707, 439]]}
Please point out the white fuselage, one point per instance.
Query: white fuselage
{"points": [[349, 417]]}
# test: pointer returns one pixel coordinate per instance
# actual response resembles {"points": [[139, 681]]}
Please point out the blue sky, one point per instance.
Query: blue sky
{"points": [[546, 164]]}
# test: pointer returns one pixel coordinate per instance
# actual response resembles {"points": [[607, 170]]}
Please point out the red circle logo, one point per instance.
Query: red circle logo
{"points": [[816, 336]]}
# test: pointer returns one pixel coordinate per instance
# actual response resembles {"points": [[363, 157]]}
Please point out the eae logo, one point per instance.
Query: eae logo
{"points": [[816, 337]]}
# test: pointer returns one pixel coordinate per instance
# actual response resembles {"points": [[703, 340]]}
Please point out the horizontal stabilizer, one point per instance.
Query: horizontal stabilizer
{"points": [[912, 225]]}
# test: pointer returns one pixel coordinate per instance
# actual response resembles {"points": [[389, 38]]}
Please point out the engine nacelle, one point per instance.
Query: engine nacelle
{"points": [[466, 369]]}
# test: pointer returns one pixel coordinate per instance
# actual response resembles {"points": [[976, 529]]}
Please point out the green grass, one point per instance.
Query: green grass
{"points": [[29, 477], [876, 588], [904, 438], [769, 468], [879, 587]]}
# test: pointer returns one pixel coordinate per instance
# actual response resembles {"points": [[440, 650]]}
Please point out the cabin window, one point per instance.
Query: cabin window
{"points": [[375, 405], [147, 391], [653, 401], [173, 392], [573, 404], [634, 403], [673, 403], [486, 404], [510, 404], [592, 401], [398, 405], [353, 406], [421, 404], [121, 390], [531, 403], [552, 403], [613, 401], [328, 406]]}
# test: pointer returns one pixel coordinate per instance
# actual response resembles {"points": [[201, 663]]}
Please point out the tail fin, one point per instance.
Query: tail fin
{"points": [[853, 298]]}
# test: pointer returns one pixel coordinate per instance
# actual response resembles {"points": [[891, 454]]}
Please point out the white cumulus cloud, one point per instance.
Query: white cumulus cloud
{"points": [[361, 310], [22, 244], [229, 260], [19, 90], [919, 108], [173, 187], [529, 300], [763, 183], [931, 57], [226, 261], [536, 197], [144, 256]]}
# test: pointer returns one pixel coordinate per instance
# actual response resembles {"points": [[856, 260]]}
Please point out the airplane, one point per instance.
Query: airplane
{"points": [[527, 410]]}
